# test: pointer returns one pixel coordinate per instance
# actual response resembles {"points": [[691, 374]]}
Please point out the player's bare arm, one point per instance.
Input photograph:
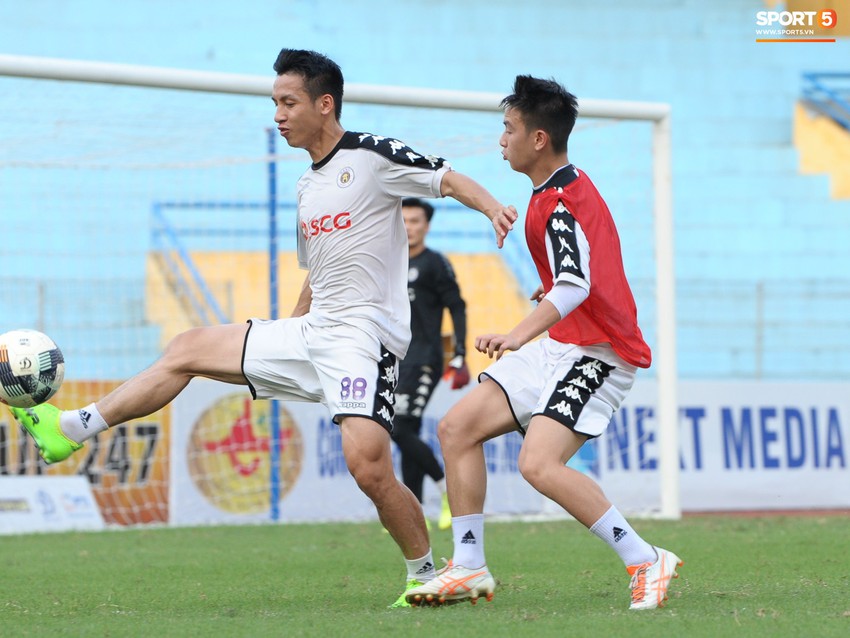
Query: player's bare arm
{"points": [[470, 193], [305, 297], [544, 316]]}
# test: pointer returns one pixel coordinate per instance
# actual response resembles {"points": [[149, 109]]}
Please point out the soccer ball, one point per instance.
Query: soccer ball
{"points": [[31, 368]]}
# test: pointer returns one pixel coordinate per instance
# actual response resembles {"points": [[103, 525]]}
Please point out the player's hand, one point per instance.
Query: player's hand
{"points": [[503, 223], [496, 345], [538, 294], [457, 373]]}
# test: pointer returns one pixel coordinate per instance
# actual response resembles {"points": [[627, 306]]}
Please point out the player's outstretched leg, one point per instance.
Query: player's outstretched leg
{"points": [[650, 580], [42, 424], [454, 583]]}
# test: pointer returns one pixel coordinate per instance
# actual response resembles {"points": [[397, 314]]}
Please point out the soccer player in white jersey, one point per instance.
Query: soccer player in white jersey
{"points": [[561, 390], [351, 323]]}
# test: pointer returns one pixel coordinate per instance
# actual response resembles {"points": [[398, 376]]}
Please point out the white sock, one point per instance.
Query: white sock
{"points": [[79, 425], [422, 569], [468, 534], [615, 530], [441, 485]]}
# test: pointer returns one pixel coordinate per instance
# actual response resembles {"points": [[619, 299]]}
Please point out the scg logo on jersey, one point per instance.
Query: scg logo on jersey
{"points": [[325, 224]]}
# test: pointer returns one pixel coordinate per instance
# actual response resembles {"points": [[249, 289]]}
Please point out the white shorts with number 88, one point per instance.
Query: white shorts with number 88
{"points": [[339, 365]]}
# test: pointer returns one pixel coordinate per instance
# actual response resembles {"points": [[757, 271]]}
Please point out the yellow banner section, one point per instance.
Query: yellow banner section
{"points": [[127, 465]]}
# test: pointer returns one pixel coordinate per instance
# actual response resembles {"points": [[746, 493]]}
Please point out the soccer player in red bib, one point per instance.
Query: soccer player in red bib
{"points": [[562, 389]]}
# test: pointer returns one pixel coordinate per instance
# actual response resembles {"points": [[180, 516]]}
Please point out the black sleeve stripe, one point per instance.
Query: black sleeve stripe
{"points": [[561, 229], [397, 151]]}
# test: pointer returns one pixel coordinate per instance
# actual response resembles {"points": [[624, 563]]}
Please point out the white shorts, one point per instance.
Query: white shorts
{"points": [[578, 386], [339, 365]]}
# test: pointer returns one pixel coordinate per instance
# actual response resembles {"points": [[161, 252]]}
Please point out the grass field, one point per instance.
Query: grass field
{"points": [[764, 576]]}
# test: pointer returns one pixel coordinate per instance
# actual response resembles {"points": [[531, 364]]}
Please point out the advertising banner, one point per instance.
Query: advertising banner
{"points": [[221, 462], [744, 446], [127, 465], [47, 504]]}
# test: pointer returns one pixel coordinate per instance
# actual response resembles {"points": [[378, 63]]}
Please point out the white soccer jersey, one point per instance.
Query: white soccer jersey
{"points": [[351, 234]]}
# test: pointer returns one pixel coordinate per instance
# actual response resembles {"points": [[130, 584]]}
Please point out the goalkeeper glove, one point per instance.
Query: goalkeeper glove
{"points": [[457, 373]]}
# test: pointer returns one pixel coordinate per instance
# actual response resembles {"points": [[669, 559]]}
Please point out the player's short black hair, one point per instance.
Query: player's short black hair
{"points": [[321, 74], [415, 202], [544, 105]]}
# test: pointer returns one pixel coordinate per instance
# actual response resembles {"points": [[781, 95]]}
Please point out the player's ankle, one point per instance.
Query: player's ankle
{"points": [[81, 425]]}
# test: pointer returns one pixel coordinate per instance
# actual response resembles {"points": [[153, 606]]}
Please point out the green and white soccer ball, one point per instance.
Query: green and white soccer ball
{"points": [[31, 368]]}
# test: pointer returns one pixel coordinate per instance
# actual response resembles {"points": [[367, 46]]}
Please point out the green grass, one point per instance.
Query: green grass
{"points": [[766, 576]]}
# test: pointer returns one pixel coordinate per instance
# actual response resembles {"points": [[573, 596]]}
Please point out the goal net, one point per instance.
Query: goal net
{"points": [[132, 212]]}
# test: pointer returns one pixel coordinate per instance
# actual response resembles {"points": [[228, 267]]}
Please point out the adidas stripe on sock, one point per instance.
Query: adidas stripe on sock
{"points": [[79, 425], [422, 569], [615, 530], [468, 534]]}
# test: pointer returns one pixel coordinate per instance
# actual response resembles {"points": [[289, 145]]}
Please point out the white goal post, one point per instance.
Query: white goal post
{"points": [[656, 113]]}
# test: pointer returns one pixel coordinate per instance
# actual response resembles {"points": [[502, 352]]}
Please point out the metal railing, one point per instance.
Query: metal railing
{"points": [[181, 273], [829, 93]]}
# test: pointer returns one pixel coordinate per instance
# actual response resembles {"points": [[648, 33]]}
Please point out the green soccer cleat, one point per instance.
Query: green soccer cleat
{"points": [[402, 601], [42, 423]]}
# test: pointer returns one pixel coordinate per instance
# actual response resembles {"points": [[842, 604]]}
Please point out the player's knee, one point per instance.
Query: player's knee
{"points": [[447, 430], [531, 467], [178, 352], [371, 482], [368, 474]]}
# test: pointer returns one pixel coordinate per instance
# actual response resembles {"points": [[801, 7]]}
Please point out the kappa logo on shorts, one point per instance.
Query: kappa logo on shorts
{"points": [[402, 403], [385, 393], [573, 391]]}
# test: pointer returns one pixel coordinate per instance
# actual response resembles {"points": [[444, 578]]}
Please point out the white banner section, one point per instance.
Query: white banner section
{"points": [[744, 446], [47, 504]]}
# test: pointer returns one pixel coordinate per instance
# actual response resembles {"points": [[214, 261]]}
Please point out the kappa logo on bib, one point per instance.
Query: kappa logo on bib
{"points": [[228, 454]]}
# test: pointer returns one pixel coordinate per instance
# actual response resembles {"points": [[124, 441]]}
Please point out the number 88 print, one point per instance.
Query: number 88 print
{"points": [[352, 389]]}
